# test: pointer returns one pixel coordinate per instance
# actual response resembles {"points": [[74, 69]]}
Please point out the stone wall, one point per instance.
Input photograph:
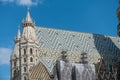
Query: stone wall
{"points": [[75, 71]]}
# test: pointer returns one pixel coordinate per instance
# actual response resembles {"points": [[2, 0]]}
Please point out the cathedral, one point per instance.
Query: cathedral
{"points": [[51, 54]]}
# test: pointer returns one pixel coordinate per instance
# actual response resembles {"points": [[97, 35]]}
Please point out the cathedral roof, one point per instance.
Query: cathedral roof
{"points": [[53, 41], [39, 72]]}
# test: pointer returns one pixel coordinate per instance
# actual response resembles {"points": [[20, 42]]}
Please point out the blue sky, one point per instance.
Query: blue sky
{"points": [[92, 16]]}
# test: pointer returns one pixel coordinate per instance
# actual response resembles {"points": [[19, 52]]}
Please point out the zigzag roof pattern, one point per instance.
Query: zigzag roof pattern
{"points": [[55, 39], [76, 41]]}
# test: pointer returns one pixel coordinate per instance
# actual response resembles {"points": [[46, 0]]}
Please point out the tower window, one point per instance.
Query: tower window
{"points": [[31, 51], [24, 69], [14, 72], [25, 78], [24, 51], [14, 63], [24, 59], [36, 51], [31, 59]]}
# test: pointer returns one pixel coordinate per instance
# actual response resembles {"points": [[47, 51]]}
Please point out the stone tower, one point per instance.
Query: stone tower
{"points": [[28, 47], [14, 59], [25, 51]]}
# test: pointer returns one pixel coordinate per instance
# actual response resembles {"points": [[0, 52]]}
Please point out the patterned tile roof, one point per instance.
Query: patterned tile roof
{"points": [[39, 72], [76, 42]]}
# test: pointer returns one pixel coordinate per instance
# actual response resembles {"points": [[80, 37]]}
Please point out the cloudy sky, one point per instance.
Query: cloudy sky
{"points": [[92, 16]]}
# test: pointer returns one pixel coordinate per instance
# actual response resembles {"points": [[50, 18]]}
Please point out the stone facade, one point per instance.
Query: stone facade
{"points": [[25, 53]]}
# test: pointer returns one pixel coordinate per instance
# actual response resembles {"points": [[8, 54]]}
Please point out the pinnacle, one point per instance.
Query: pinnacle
{"points": [[18, 35], [28, 18]]}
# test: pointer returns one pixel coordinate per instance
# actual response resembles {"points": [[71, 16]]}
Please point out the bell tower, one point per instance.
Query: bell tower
{"points": [[29, 29], [28, 47]]}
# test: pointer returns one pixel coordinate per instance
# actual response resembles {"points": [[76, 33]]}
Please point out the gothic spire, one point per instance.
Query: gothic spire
{"points": [[28, 21], [28, 18], [18, 36], [28, 29]]}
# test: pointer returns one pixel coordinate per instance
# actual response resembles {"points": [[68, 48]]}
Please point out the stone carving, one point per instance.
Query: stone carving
{"points": [[76, 71], [64, 56], [66, 72]]}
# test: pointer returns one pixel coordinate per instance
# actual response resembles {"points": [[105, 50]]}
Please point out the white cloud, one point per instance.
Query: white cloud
{"points": [[29, 2], [24, 2], [5, 55]]}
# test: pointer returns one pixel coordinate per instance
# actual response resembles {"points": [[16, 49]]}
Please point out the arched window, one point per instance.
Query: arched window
{"points": [[14, 63], [36, 51], [14, 72], [31, 59], [24, 69], [31, 51], [24, 51], [24, 59], [25, 78]]}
